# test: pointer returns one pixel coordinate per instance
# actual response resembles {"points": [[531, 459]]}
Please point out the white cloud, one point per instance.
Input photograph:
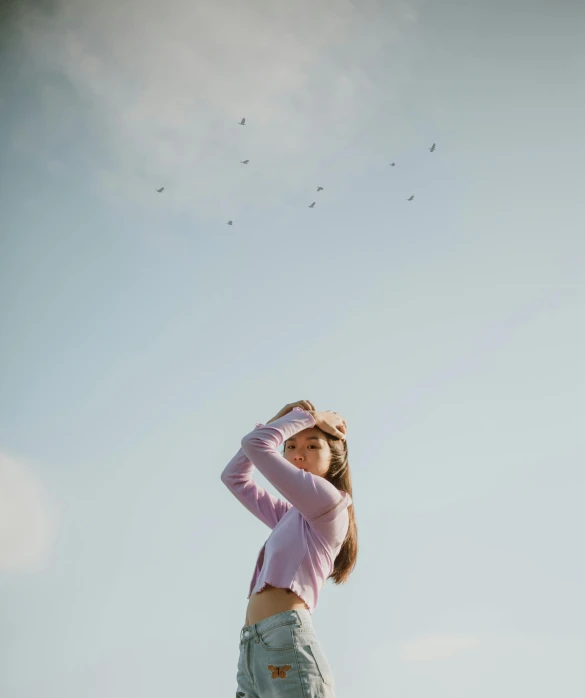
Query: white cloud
{"points": [[28, 518], [163, 86]]}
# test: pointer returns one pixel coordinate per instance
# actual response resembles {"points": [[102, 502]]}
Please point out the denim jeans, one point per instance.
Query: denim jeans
{"points": [[280, 656]]}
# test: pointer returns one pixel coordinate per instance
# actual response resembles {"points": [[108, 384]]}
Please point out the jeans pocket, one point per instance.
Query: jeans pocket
{"points": [[314, 648], [279, 637]]}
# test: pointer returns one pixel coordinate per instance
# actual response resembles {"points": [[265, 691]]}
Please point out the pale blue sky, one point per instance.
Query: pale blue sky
{"points": [[142, 337]]}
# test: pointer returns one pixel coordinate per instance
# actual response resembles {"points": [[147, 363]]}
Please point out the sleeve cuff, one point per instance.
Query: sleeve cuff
{"points": [[300, 409]]}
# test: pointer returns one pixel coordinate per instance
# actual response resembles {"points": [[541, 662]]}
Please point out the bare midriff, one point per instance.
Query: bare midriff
{"points": [[269, 601]]}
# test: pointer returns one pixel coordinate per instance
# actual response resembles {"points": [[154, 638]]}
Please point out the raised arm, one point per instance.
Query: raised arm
{"points": [[238, 477], [312, 495]]}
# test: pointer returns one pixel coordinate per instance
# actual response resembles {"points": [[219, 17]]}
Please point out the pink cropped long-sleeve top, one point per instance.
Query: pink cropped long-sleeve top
{"points": [[308, 530]]}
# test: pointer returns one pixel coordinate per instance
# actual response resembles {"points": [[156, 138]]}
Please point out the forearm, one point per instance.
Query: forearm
{"points": [[313, 414]]}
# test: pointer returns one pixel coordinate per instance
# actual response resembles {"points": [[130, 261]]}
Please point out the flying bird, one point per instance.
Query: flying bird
{"points": [[432, 147], [392, 164], [319, 188], [411, 198], [242, 122], [229, 222], [244, 162], [313, 204], [161, 189]]}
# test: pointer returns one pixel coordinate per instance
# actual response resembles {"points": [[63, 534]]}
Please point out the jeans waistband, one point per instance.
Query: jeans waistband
{"points": [[301, 615]]}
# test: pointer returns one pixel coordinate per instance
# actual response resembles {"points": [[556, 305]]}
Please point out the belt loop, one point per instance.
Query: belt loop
{"points": [[256, 633]]}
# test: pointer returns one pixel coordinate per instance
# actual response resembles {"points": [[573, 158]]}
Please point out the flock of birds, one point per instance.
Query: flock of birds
{"points": [[245, 162]]}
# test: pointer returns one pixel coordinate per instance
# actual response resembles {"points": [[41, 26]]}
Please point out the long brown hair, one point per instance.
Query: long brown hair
{"points": [[339, 475]]}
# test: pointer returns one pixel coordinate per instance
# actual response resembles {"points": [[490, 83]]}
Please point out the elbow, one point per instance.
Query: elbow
{"points": [[228, 481], [226, 475]]}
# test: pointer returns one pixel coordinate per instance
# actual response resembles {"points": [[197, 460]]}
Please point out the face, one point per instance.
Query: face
{"points": [[309, 450]]}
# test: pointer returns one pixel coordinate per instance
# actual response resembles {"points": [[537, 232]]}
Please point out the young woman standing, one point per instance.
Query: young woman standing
{"points": [[314, 537]]}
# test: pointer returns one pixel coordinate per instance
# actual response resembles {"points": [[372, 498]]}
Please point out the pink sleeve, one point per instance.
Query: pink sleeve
{"points": [[312, 495], [237, 476]]}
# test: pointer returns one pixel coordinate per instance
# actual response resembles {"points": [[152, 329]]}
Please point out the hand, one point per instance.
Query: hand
{"points": [[305, 404], [331, 422]]}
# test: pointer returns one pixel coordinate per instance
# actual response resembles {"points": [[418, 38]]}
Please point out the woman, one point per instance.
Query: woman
{"points": [[314, 537]]}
